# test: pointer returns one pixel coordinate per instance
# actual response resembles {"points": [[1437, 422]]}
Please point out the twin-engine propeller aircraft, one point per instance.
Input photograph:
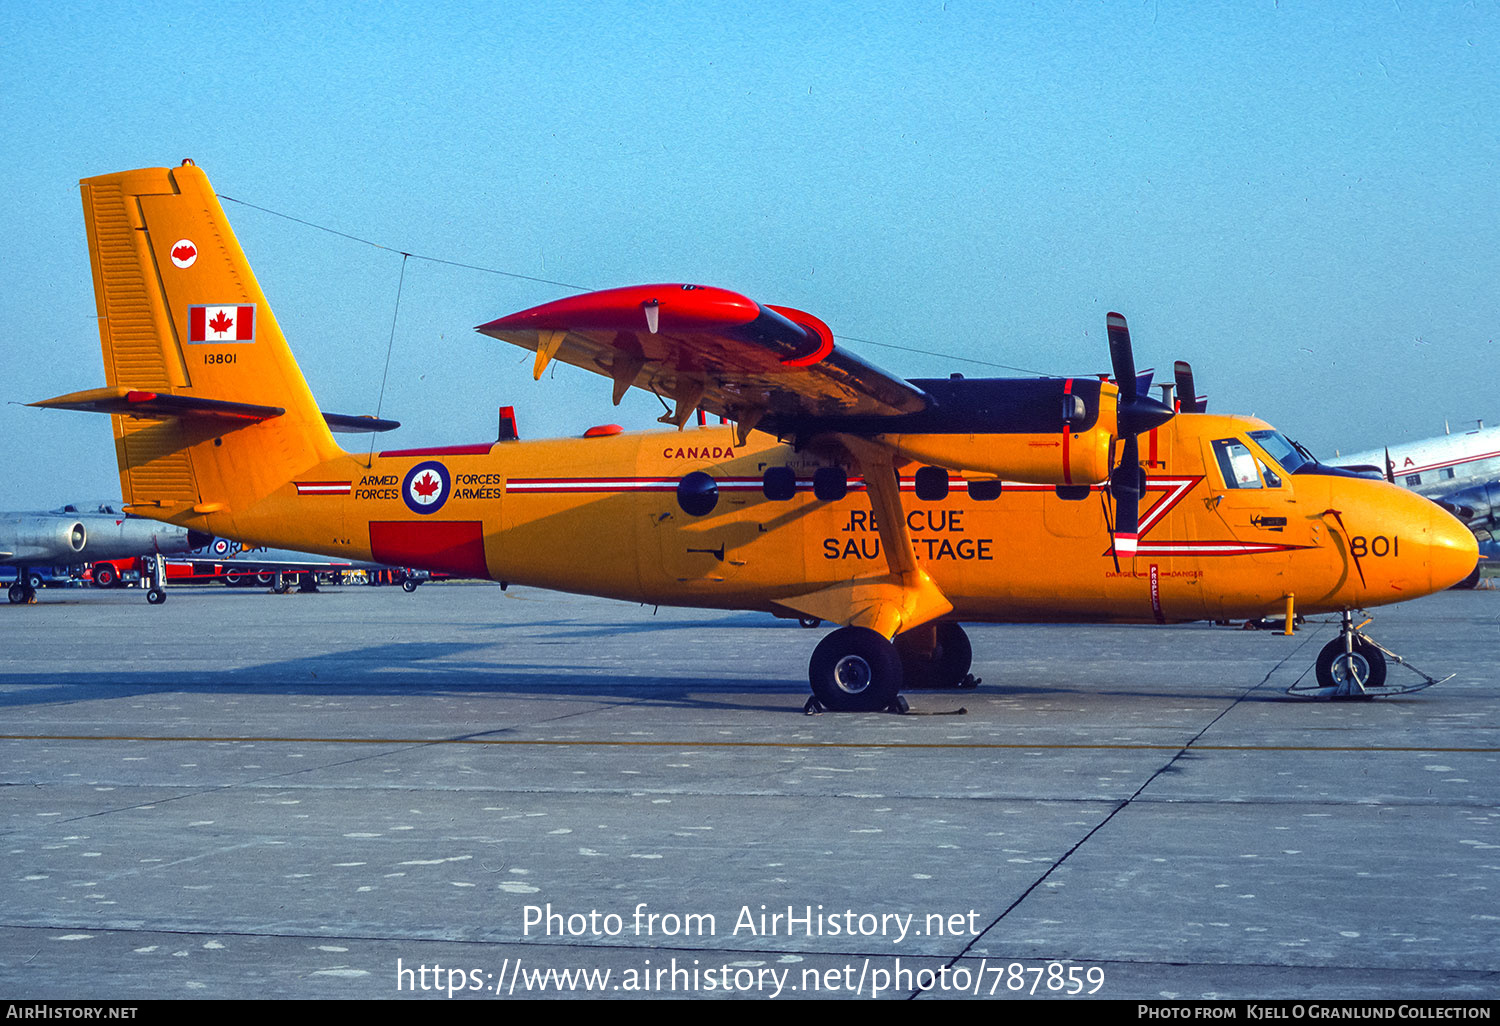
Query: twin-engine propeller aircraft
{"points": [[896, 509]]}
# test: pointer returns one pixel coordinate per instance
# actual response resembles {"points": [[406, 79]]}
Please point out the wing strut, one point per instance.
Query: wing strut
{"points": [[893, 602]]}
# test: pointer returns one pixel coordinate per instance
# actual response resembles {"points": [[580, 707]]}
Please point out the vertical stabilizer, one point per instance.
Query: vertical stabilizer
{"points": [[181, 314]]}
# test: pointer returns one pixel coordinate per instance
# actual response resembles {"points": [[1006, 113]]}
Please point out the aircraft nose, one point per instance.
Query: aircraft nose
{"points": [[1452, 551]]}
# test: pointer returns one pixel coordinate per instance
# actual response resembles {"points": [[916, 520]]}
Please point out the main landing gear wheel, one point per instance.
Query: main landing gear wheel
{"points": [[947, 666], [21, 593], [156, 596], [409, 585], [1351, 671], [855, 669]]}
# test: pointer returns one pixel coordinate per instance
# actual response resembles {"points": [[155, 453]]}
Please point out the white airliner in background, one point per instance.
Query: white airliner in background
{"points": [[1460, 471]]}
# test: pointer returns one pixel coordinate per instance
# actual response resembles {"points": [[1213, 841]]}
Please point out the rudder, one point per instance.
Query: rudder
{"points": [[181, 314]]}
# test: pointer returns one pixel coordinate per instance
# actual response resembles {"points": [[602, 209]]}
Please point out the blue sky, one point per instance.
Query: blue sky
{"points": [[1300, 198]]}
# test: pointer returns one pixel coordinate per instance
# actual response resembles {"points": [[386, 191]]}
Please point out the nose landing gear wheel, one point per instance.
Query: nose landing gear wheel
{"points": [[1351, 671], [855, 669], [1353, 666]]}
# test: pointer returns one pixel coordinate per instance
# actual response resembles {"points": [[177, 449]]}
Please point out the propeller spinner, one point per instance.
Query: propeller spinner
{"points": [[1137, 414]]}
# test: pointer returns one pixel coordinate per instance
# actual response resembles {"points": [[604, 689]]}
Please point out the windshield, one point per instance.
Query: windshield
{"points": [[1287, 453]]}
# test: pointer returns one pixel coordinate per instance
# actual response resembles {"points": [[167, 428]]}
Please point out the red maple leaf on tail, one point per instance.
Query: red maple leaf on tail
{"points": [[220, 324]]}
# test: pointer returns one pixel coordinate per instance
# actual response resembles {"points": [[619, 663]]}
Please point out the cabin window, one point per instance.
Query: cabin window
{"points": [[1447, 473], [1270, 476], [1236, 463], [779, 484], [1287, 454], [1412, 480], [697, 494], [984, 491], [830, 484], [932, 484]]}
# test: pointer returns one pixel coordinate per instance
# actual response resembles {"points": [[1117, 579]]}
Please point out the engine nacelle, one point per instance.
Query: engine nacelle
{"points": [[1055, 458], [1477, 507], [1057, 431], [44, 539]]}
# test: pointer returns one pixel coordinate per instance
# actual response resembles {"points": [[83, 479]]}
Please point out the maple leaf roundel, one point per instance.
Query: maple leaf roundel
{"points": [[426, 487], [184, 253]]}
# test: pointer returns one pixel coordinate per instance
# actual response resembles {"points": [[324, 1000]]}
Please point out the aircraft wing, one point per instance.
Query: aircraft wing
{"points": [[708, 348]]}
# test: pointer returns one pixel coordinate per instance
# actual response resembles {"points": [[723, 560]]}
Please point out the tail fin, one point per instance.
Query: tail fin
{"points": [[183, 321]]}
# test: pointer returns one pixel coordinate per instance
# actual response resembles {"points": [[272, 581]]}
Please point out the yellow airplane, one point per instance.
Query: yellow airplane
{"points": [[831, 490]]}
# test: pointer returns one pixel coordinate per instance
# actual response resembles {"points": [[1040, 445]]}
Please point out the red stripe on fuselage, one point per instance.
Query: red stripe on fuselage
{"points": [[477, 449]]}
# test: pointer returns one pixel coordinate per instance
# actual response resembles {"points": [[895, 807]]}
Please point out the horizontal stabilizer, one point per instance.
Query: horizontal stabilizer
{"points": [[350, 424], [138, 403]]}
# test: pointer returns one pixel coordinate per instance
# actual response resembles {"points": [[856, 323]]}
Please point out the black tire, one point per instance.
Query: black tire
{"points": [[106, 576], [156, 596], [35, 580], [17, 593], [810, 622], [409, 585], [1469, 583], [946, 667], [1366, 662], [855, 669]]}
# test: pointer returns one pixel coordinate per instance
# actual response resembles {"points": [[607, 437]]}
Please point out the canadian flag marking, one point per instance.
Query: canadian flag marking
{"points": [[223, 323]]}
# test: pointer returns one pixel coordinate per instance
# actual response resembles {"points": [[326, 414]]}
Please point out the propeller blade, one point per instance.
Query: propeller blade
{"points": [[1186, 396], [1127, 484], [1390, 468], [1120, 355], [1136, 414], [1188, 399]]}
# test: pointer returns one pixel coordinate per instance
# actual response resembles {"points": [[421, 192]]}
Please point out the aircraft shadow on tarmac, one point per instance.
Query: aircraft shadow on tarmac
{"points": [[396, 669], [427, 668]]}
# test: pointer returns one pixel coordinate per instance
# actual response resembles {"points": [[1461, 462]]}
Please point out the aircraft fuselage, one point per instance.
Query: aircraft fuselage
{"points": [[602, 516]]}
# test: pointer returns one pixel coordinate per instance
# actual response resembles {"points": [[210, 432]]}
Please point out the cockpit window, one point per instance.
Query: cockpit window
{"points": [[1236, 463], [1291, 456]]}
